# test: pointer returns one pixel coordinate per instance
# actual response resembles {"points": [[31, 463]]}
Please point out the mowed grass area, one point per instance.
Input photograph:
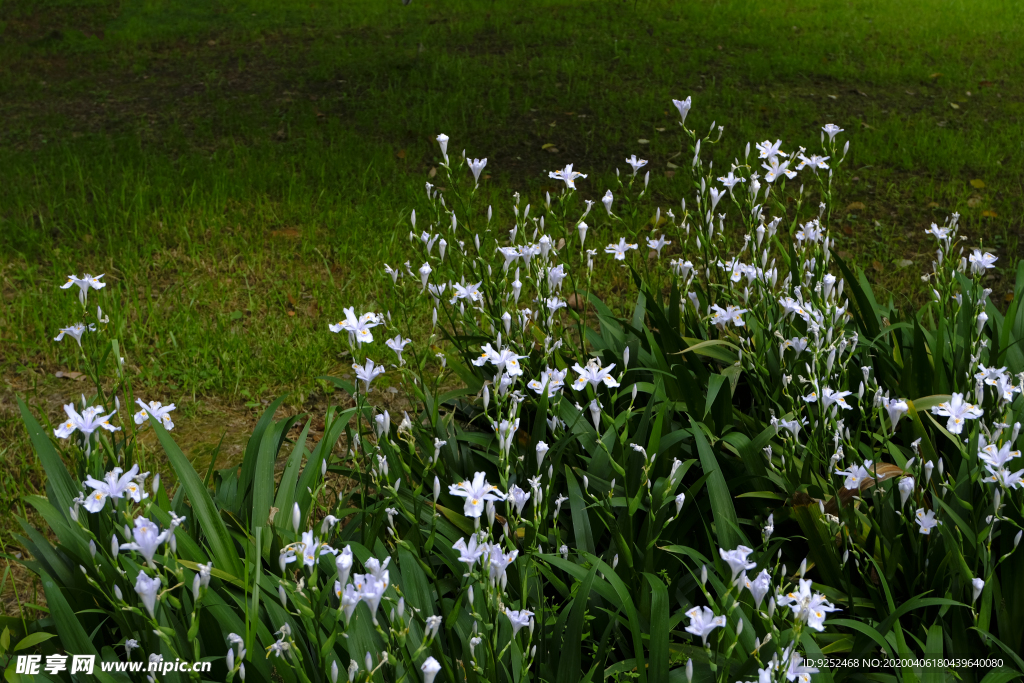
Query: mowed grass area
{"points": [[241, 170]]}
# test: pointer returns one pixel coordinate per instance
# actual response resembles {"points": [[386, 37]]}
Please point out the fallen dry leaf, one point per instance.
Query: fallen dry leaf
{"points": [[935, 75], [877, 265], [954, 105], [974, 202], [552, 150], [286, 232], [1008, 298], [833, 97], [847, 230], [69, 374], [291, 314], [547, 145], [400, 154], [856, 206], [432, 172], [989, 214], [643, 141], [978, 183], [933, 205]]}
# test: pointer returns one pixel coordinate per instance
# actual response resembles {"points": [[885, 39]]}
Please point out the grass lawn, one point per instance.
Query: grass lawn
{"points": [[239, 170]]}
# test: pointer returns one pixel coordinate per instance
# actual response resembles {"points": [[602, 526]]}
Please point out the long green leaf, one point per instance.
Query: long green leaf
{"points": [[286, 489], [659, 628], [625, 602], [570, 660], [580, 518], [252, 449], [221, 547], [58, 480], [867, 630], [263, 477], [73, 637], [726, 526]]}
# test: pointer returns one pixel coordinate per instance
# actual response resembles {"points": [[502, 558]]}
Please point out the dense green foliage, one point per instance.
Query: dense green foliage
{"points": [[747, 471]]}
